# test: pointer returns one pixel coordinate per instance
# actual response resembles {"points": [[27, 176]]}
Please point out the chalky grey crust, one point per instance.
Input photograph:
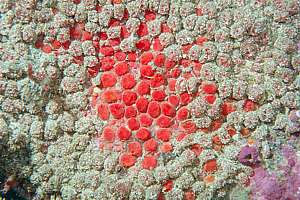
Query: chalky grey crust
{"points": [[47, 128]]}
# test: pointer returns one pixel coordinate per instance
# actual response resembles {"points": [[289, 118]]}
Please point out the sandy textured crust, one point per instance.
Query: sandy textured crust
{"points": [[150, 99]]}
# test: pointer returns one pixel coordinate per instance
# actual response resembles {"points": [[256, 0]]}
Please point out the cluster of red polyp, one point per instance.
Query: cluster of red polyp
{"points": [[139, 98], [138, 91]]}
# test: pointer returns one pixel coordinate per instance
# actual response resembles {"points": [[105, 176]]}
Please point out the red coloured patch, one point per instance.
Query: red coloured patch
{"points": [[197, 149], [227, 108], [174, 100], [108, 134], [132, 56], [107, 63], [133, 124], [117, 110], [56, 44], [216, 124], [231, 131], [185, 98], [168, 109], [143, 45], [145, 120], [182, 114], [146, 58], [216, 139], [124, 133], [150, 145], [86, 36], [135, 148], [200, 41], [210, 166], [114, 42], [149, 162], [130, 112], [163, 134], [143, 88], [189, 195], [167, 186], [146, 71], [166, 147], [189, 126], [76, 1], [164, 121], [143, 134], [197, 68], [154, 109], [121, 68], [209, 88], [108, 80], [143, 30], [175, 73], [120, 56], [149, 15], [157, 45], [46, 48], [199, 11], [127, 160], [124, 32], [158, 95], [159, 60], [113, 22], [128, 81], [169, 64], [107, 50], [181, 136], [142, 104], [172, 85], [157, 80], [103, 36], [93, 70], [129, 97], [210, 98], [165, 28], [76, 31], [249, 105], [110, 96], [103, 112]]}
